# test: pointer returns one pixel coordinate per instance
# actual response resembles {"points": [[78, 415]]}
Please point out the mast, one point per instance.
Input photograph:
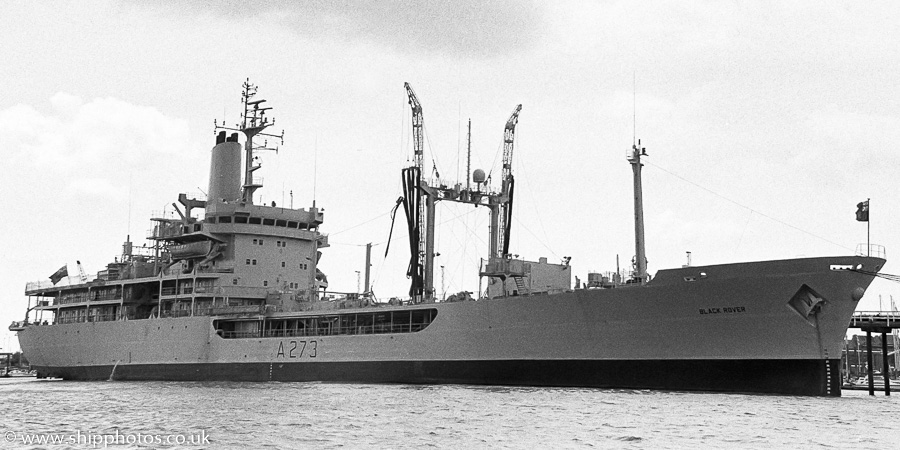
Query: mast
{"points": [[640, 258], [254, 121], [368, 267]]}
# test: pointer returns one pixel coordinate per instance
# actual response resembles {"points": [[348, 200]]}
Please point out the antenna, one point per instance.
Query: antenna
{"points": [[469, 156], [129, 201], [315, 166], [458, 138], [634, 107]]}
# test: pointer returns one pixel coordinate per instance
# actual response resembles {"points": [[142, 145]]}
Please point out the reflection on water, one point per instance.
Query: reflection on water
{"points": [[324, 415]]}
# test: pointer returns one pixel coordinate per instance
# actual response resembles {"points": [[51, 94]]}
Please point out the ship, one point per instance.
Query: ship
{"points": [[234, 292]]}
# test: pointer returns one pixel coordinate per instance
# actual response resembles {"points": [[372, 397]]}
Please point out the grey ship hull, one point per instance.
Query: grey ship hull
{"points": [[730, 328]]}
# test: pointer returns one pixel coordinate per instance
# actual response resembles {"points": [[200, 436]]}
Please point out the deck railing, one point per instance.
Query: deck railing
{"points": [[73, 279], [889, 319], [875, 250]]}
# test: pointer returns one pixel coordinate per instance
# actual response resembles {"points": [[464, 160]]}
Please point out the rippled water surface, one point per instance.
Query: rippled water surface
{"points": [[319, 415]]}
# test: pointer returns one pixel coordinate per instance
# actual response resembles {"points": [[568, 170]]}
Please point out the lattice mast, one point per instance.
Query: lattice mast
{"points": [[253, 122]]}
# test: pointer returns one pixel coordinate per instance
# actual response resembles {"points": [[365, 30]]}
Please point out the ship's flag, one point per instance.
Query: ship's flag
{"points": [[862, 211], [59, 274]]}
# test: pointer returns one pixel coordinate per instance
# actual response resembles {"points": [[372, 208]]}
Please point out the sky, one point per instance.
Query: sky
{"points": [[765, 124]]}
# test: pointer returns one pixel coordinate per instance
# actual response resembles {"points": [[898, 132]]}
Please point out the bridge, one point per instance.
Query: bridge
{"points": [[883, 322]]}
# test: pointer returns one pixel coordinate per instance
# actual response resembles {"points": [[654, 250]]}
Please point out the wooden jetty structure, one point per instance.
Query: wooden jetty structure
{"points": [[883, 322]]}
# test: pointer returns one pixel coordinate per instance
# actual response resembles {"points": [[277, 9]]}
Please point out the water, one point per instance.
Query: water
{"points": [[321, 415]]}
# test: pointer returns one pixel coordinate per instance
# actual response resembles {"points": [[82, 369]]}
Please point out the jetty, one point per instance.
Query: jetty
{"points": [[884, 322]]}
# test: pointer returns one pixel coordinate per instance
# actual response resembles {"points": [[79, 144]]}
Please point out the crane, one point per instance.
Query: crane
{"points": [[418, 150], [419, 201], [509, 134], [412, 201]]}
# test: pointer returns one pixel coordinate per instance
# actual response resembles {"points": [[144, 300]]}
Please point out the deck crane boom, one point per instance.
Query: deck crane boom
{"points": [[509, 134], [418, 150], [413, 205]]}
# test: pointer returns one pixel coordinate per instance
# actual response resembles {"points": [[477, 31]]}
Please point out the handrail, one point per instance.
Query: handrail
{"points": [[889, 318], [70, 280], [874, 250]]}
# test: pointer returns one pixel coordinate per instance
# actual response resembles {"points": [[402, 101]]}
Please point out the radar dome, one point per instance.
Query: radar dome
{"points": [[478, 176]]}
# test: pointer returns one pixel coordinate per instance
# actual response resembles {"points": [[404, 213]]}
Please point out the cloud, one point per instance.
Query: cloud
{"points": [[470, 28], [850, 129], [105, 132], [92, 156], [66, 104], [95, 187]]}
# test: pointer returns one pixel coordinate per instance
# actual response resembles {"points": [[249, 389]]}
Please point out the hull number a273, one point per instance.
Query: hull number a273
{"points": [[297, 349]]}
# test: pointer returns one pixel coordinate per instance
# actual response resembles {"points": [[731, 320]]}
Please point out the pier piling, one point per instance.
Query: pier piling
{"points": [[869, 367], [885, 367]]}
